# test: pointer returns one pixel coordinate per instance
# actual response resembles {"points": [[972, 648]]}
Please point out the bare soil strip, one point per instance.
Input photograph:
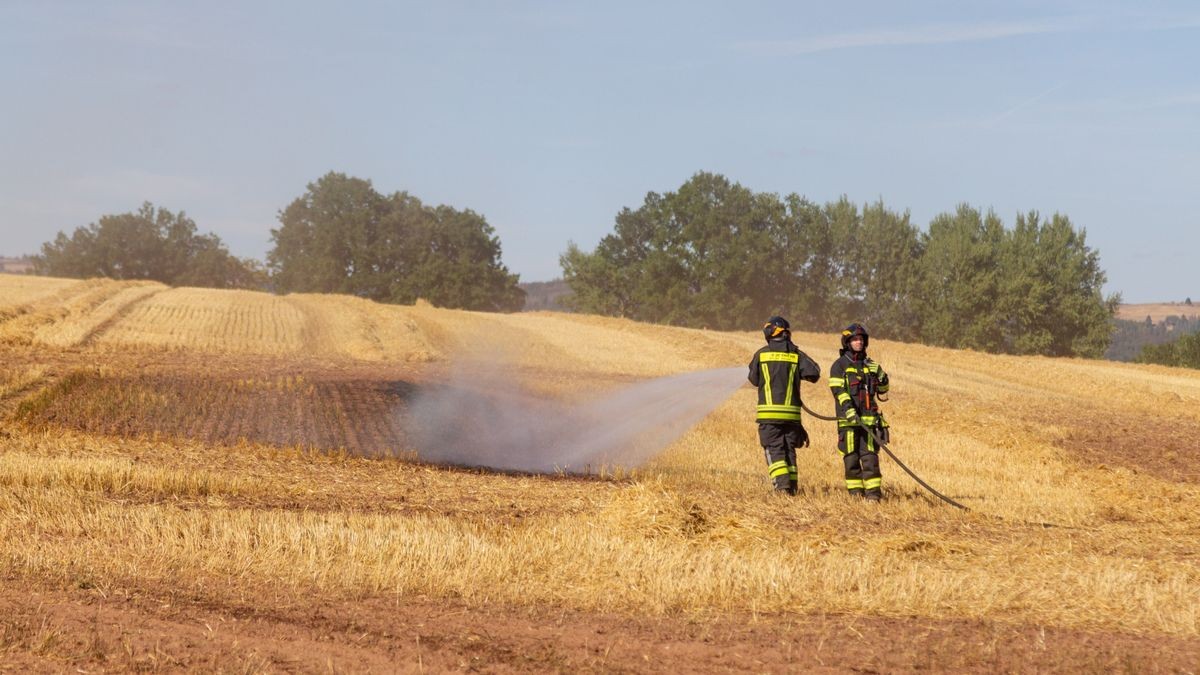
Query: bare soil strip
{"points": [[1162, 448], [45, 628]]}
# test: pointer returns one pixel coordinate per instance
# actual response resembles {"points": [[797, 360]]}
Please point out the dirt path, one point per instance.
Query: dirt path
{"points": [[51, 629]]}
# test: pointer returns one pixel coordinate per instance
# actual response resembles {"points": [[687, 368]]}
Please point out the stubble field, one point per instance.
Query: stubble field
{"points": [[223, 480]]}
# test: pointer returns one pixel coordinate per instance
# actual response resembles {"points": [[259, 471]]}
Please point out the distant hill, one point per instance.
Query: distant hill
{"points": [[1157, 311], [545, 295], [1140, 325], [21, 265]]}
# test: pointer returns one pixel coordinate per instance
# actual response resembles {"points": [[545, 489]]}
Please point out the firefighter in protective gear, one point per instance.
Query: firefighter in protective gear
{"points": [[777, 370], [856, 382]]}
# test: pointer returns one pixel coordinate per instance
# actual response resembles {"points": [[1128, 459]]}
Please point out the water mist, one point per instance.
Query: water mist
{"points": [[493, 423]]}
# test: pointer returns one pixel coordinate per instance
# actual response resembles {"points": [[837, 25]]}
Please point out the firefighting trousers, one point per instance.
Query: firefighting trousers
{"points": [[860, 454], [779, 442]]}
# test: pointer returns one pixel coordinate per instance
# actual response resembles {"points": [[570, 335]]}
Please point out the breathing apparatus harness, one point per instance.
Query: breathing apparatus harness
{"points": [[882, 443], [868, 397]]}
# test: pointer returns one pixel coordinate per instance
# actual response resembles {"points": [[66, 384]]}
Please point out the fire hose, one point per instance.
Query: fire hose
{"points": [[891, 454]]}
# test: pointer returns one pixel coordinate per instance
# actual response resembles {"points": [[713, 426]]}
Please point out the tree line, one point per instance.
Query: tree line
{"points": [[340, 236], [1174, 341], [1183, 352], [711, 254], [716, 254], [1130, 338], [150, 243]]}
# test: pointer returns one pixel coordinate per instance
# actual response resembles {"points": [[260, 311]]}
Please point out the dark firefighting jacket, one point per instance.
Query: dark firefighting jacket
{"points": [[777, 370], [856, 381]]}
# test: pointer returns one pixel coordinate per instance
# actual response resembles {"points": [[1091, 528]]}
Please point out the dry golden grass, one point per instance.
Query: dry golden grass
{"points": [[581, 344], [75, 328], [363, 330], [67, 314], [657, 544], [19, 289], [695, 531], [214, 321], [13, 381]]}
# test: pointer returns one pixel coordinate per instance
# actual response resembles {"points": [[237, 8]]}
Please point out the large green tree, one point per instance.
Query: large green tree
{"points": [[960, 280], [1184, 352], [700, 256], [806, 261], [152, 243], [716, 254], [1034, 289], [870, 268], [1051, 291], [342, 236]]}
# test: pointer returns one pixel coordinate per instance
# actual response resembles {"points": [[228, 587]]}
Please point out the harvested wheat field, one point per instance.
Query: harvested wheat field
{"points": [[233, 481]]}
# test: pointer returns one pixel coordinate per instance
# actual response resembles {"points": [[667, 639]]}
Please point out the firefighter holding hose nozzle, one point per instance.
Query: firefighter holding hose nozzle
{"points": [[777, 370], [857, 382]]}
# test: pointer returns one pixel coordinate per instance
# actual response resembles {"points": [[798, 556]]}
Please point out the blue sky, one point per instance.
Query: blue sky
{"points": [[549, 117]]}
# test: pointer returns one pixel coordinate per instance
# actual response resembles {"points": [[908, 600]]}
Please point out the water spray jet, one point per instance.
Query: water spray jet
{"points": [[508, 430]]}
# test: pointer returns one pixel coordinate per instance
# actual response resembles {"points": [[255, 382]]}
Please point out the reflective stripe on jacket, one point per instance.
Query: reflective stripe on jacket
{"points": [[855, 384], [777, 371]]}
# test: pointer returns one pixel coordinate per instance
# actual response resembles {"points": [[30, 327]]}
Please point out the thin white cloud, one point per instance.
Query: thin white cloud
{"points": [[917, 35], [996, 119], [946, 33]]}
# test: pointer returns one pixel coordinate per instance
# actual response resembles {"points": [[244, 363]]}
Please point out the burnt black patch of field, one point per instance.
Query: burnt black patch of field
{"points": [[361, 416]]}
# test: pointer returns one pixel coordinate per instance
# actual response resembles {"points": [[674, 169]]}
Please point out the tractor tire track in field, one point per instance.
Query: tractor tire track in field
{"points": [[94, 333]]}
